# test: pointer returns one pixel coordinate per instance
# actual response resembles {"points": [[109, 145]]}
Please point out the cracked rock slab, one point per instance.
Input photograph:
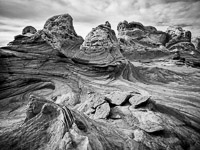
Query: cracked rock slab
{"points": [[148, 120], [117, 97], [102, 111], [138, 99]]}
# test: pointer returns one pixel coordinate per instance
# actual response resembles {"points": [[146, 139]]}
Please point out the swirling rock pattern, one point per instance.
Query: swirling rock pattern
{"points": [[139, 42], [60, 34], [144, 43], [100, 47], [58, 92], [180, 40], [144, 34]]}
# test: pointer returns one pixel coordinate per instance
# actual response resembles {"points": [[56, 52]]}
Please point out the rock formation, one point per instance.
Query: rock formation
{"points": [[139, 41], [60, 34], [60, 92], [100, 47], [144, 43], [29, 29], [143, 34], [179, 39]]}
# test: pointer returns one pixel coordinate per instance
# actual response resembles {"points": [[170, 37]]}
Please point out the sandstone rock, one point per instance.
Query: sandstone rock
{"points": [[117, 97], [102, 111], [129, 26], [108, 24], [60, 34], [148, 121], [64, 99], [100, 47], [150, 29], [29, 30], [196, 42], [102, 35], [91, 102], [180, 40], [143, 34], [140, 42], [138, 135], [178, 35], [138, 99], [33, 65], [34, 107], [134, 29], [119, 112]]}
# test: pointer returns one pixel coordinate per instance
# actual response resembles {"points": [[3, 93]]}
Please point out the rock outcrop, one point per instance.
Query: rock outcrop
{"points": [[196, 43], [60, 92], [29, 30], [100, 47], [60, 34], [146, 35], [179, 39], [139, 42], [146, 43]]}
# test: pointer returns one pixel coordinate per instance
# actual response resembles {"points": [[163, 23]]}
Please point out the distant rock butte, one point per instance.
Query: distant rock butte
{"points": [[147, 35], [131, 91], [179, 39], [139, 42]]}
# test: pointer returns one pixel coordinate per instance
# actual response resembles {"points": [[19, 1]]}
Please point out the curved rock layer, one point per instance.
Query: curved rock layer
{"points": [[140, 42], [144, 43], [143, 34], [63, 93], [100, 47], [178, 35]]}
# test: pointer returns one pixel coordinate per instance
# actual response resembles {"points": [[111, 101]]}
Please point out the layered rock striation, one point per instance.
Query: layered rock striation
{"points": [[60, 92], [139, 42], [100, 47], [179, 38], [146, 35], [144, 43]]}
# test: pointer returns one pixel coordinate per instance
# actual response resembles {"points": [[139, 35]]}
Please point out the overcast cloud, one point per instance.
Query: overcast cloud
{"points": [[87, 14]]}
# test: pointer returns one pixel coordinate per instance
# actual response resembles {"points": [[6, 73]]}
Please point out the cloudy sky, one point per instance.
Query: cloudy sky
{"points": [[16, 14]]}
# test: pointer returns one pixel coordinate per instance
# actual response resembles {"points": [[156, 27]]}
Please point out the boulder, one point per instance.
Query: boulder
{"points": [[90, 102], [138, 99], [102, 111], [29, 30], [119, 112], [117, 97], [148, 120]]}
